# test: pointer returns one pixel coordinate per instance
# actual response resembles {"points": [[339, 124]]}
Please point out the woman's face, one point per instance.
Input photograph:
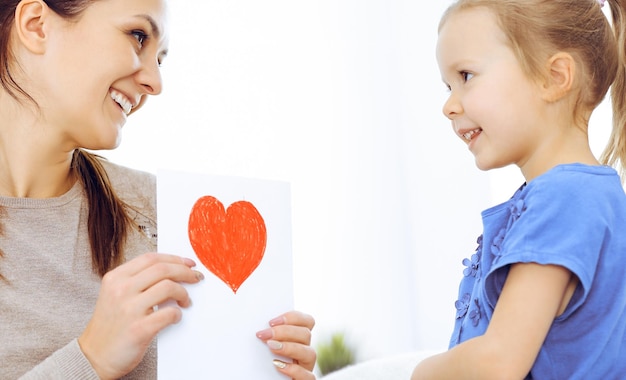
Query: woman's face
{"points": [[98, 69]]}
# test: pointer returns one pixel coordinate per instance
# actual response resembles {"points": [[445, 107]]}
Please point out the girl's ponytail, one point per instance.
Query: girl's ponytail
{"points": [[615, 152]]}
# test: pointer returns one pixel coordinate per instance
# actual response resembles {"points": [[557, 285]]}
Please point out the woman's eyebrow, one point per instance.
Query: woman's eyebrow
{"points": [[156, 31]]}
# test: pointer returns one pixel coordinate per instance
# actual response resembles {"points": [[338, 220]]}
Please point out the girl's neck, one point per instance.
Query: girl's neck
{"points": [[566, 148]]}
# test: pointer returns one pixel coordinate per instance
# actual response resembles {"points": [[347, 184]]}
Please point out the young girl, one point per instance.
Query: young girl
{"points": [[544, 295], [77, 280]]}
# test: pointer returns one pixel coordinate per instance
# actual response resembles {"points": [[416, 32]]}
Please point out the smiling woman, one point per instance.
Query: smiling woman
{"points": [[80, 278]]}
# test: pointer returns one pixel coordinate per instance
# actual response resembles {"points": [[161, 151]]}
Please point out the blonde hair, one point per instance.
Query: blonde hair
{"points": [[537, 29]]}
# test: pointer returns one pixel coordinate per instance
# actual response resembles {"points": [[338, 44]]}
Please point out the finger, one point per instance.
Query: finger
{"points": [[293, 371], [153, 323], [296, 318], [160, 271], [301, 354], [141, 262], [287, 333], [164, 291]]}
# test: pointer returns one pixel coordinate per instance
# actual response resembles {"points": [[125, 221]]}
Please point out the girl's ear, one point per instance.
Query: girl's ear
{"points": [[561, 73], [31, 17]]}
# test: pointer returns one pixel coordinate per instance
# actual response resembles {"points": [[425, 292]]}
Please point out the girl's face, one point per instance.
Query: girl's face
{"points": [[98, 69], [494, 107]]}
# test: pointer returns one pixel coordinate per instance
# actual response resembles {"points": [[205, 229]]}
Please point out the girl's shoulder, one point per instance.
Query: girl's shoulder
{"points": [[574, 173], [576, 180]]}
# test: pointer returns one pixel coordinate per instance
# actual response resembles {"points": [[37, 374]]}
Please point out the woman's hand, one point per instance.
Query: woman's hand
{"points": [[124, 321], [289, 335]]}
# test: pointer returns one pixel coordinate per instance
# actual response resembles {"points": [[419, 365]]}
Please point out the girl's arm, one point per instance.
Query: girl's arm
{"points": [[532, 296]]}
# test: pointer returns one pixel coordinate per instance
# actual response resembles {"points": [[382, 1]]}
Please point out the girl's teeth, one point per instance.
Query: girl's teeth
{"points": [[468, 135], [122, 101]]}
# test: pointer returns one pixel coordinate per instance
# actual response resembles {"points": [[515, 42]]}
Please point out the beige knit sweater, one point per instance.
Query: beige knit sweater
{"points": [[50, 289]]}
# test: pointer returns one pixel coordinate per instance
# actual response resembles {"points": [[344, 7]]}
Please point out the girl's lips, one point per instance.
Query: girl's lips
{"points": [[469, 135]]}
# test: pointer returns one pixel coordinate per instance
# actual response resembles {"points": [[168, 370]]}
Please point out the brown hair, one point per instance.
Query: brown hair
{"points": [[537, 29], [108, 221]]}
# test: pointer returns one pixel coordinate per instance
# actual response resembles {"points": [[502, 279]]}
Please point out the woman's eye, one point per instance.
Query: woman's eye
{"points": [[140, 36]]}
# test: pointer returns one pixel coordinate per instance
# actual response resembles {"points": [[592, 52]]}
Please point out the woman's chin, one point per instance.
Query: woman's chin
{"points": [[105, 144]]}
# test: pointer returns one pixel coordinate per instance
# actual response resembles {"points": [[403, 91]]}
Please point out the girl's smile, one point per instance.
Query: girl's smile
{"points": [[470, 135], [487, 85]]}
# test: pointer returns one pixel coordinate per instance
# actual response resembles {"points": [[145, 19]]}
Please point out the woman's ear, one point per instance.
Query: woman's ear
{"points": [[31, 17], [561, 70]]}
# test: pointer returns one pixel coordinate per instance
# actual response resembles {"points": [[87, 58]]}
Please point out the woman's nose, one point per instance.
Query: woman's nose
{"points": [[150, 78], [150, 81]]}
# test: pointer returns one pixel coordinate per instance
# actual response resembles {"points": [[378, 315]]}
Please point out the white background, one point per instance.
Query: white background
{"points": [[341, 98]]}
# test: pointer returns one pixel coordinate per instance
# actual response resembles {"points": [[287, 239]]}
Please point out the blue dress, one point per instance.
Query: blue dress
{"points": [[573, 216]]}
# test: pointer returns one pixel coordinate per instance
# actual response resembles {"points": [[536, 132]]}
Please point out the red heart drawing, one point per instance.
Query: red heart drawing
{"points": [[229, 243]]}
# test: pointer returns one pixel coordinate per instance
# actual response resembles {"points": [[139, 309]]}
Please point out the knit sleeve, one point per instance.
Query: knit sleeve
{"points": [[68, 363]]}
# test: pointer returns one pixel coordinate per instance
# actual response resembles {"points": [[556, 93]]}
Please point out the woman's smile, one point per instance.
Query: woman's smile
{"points": [[124, 103]]}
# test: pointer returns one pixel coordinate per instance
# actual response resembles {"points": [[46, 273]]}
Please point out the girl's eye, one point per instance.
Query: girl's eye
{"points": [[466, 76], [140, 36]]}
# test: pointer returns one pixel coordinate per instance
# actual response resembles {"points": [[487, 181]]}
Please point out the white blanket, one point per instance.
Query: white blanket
{"points": [[397, 367]]}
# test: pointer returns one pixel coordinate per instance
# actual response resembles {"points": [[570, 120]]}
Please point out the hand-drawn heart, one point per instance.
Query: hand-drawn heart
{"points": [[229, 243]]}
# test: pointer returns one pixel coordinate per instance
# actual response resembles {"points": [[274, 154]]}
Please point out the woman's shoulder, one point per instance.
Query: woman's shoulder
{"points": [[128, 181], [136, 188]]}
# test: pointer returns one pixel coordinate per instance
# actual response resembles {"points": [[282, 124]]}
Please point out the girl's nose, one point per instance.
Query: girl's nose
{"points": [[452, 107]]}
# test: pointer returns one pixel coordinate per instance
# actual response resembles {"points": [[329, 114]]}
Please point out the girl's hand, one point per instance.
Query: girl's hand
{"points": [[289, 335], [124, 321]]}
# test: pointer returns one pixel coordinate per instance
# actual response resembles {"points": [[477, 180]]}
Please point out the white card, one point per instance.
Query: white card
{"points": [[248, 276]]}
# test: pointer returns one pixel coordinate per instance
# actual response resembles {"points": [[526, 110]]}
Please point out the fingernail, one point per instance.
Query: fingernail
{"points": [[199, 276], [275, 345], [265, 334], [277, 321], [189, 262], [279, 364]]}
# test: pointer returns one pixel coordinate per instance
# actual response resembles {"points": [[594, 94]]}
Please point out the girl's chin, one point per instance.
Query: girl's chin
{"points": [[485, 165]]}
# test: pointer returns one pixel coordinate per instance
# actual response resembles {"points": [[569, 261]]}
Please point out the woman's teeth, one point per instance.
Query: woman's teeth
{"points": [[468, 135], [122, 101]]}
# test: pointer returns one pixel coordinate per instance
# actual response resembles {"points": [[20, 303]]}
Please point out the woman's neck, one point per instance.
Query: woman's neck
{"points": [[34, 179], [32, 163]]}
